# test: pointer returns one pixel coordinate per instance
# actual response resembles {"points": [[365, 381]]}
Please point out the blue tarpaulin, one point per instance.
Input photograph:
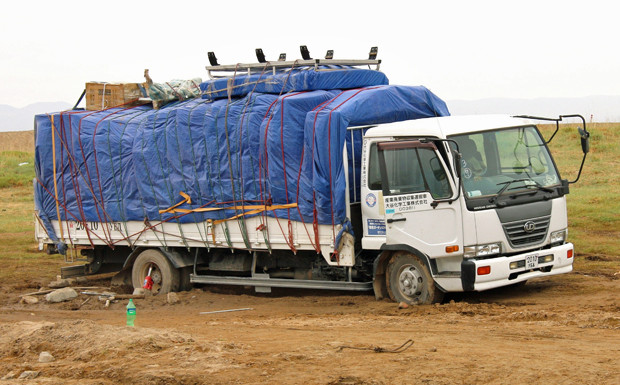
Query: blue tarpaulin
{"points": [[275, 143], [297, 79]]}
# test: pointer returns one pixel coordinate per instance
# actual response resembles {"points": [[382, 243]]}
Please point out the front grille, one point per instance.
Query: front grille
{"points": [[518, 237]]}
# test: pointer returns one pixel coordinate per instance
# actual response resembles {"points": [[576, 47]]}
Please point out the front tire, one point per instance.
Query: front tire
{"points": [[165, 276], [410, 281]]}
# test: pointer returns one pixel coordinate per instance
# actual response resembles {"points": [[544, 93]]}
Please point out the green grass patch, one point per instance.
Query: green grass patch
{"points": [[16, 168], [22, 262], [593, 204]]}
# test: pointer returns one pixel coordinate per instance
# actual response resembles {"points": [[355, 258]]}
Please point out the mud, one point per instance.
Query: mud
{"points": [[563, 329]]}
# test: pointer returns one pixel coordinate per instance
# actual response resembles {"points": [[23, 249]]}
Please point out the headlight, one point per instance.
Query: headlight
{"points": [[482, 250], [558, 237]]}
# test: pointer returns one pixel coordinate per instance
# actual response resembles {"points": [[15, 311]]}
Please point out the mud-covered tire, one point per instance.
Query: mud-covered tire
{"points": [[184, 282], [165, 276], [410, 281]]}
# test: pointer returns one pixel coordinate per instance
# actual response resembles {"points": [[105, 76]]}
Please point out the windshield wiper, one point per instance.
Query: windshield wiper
{"points": [[533, 184], [504, 187], [537, 186]]}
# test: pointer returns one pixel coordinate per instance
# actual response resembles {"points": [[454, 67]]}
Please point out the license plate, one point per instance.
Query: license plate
{"points": [[531, 261]]}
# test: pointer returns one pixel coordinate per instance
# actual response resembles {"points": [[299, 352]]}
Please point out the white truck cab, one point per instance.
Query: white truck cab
{"points": [[461, 203]]}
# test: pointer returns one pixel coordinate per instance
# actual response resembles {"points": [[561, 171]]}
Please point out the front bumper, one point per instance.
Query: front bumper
{"points": [[502, 275]]}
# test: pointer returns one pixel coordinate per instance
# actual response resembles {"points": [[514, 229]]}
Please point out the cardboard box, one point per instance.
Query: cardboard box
{"points": [[100, 96]]}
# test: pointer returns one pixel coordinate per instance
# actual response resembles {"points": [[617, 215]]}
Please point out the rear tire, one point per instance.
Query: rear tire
{"points": [[184, 280], [410, 281], [165, 276]]}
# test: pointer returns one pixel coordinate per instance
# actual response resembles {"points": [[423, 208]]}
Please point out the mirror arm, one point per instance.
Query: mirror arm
{"points": [[583, 133]]}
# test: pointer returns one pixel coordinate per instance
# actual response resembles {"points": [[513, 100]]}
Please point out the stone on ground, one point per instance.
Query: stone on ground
{"points": [[61, 295]]}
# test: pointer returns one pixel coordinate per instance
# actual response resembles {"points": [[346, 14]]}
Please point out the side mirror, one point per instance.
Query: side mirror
{"points": [[564, 190], [585, 140]]}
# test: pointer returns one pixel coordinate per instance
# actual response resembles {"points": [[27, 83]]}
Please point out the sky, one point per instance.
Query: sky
{"points": [[460, 50]]}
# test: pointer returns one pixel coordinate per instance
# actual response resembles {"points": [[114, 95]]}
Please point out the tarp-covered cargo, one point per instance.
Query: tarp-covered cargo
{"points": [[277, 143]]}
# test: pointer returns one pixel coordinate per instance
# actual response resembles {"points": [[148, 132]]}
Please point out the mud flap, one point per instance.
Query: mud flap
{"points": [[468, 275]]}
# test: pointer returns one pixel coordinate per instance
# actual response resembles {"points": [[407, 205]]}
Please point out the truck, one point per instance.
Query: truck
{"points": [[312, 174]]}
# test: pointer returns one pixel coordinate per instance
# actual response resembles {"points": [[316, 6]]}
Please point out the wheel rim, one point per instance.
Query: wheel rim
{"points": [[410, 281]]}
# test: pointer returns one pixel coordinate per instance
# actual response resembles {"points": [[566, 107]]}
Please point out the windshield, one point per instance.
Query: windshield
{"points": [[508, 160]]}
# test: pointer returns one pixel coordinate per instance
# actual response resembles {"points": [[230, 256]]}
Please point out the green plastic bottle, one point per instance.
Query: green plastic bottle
{"points": [[131, 312]]}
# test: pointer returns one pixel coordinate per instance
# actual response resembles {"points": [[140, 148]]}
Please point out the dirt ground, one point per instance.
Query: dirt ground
{"points": [[557, 330]]}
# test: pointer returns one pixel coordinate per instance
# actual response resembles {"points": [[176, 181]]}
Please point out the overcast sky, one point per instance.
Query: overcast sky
{"points": [[458, 49]]}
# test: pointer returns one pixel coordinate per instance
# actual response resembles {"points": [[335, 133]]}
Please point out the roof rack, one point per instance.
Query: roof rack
{"points": [[282, 63]]}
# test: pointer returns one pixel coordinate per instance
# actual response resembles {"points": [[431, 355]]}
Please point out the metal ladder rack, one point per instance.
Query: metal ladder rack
{"points": [[273, 66]]}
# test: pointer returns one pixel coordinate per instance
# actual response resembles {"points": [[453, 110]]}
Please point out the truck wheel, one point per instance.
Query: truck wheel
{"points": [[409, 281], [165, 276], [184, 282]]}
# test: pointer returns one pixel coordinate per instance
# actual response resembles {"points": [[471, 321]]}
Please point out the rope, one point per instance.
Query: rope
{"points": [[62, 167], [195, 169], [69, 212], [315, 222], [329, 128], [55, 182], [239, 156], [219, 180], [253, 209], [241, 224], [119, 196]]}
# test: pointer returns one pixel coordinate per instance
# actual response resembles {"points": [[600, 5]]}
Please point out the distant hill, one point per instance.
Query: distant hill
{"points": [[604, 109], [22, 119]]}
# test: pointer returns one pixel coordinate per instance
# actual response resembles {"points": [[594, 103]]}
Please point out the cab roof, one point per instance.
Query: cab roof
{"points": [[445, 126]]}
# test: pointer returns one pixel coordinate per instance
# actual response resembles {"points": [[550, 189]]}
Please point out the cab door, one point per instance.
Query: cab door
{"points": [[418, 194]]}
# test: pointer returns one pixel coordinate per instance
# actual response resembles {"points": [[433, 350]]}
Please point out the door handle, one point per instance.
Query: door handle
{"points": [[391, 220]]}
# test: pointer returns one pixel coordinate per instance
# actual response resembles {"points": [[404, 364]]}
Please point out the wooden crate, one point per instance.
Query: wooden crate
{"points": [[100, 96]]}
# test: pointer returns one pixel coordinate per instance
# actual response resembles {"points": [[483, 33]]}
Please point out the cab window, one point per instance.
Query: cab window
{"points": [[409, 170]]}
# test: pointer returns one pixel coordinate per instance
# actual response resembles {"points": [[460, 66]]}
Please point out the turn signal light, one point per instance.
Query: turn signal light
{"points": [[484, 270], [569, 254], [452, 249]]}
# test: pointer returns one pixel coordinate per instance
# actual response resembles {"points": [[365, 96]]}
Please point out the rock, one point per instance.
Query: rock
{"points": [[46, 357], [172, 298], [403, 305], [29, 300], [28, 375], [61, 295], [432, 350], [9, 376], [139, 291], [59, 283]]}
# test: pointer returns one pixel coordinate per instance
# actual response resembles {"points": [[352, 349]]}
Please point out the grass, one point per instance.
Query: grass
{"points": [[16, 168], [593, 204], [19, 253]]}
